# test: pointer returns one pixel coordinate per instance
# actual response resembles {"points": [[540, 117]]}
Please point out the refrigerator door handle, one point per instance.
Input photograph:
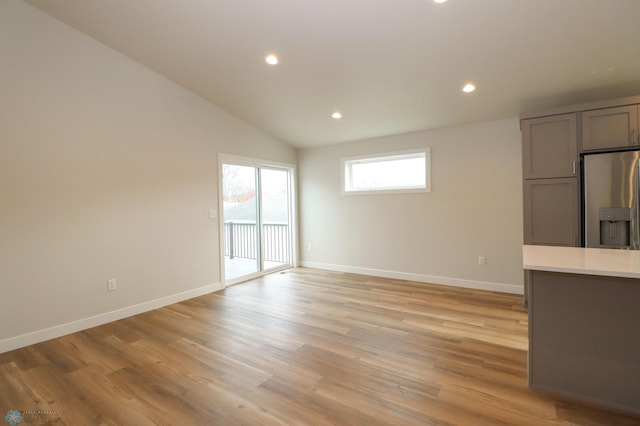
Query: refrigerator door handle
{"points": [[635, 210]]}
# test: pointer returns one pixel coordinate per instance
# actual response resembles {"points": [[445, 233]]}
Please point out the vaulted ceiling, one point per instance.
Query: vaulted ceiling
{"points": [[389, 66]]}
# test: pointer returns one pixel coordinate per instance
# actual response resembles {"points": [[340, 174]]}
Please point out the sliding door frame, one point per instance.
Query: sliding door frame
{"points": [[293, 220]]}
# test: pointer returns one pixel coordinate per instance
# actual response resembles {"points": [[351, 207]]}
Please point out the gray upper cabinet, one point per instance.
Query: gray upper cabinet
{"points": [[550, 163], [551, 143], [550, 146], [607, 128]]}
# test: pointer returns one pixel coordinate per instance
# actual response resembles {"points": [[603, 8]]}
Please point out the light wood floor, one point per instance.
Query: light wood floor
{"points": [[301, 347]]}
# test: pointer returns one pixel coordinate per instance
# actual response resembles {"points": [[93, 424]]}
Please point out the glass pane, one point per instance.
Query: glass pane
{"points": [[400, 173], [240, 213], [275, 217]]}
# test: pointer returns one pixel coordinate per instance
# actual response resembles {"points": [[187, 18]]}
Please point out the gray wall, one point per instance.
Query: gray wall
{"points": [[107, 170], [475, 208]]}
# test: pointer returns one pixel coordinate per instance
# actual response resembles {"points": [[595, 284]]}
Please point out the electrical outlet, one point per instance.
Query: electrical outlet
{"points": [[213, 213], [482, 261], [111, 284], [310, 247]]}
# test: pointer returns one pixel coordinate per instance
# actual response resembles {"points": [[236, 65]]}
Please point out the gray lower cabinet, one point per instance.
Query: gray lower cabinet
{"points": [[551, 213], [608, 128], [583, 337], [550, 146]]}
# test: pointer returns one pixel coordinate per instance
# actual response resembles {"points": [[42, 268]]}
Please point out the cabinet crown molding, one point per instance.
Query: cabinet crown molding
{"points": [[631, 100]]}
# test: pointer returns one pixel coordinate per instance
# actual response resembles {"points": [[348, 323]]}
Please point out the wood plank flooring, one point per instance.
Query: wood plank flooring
{"points": [[304, 347]]}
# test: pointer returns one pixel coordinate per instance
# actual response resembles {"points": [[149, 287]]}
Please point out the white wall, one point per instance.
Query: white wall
{"points": [[107, 170], [475, 208]]}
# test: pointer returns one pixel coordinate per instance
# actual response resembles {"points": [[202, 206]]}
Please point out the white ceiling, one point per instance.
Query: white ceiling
{"points": [[390, 66]]}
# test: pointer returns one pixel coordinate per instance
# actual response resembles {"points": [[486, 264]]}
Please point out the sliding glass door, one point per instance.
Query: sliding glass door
{"points": [[257, 229], [276, 228], [240, 218]]}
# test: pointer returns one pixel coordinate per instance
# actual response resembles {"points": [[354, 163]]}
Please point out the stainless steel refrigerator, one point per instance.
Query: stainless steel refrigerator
{"points": [[611, 183]]}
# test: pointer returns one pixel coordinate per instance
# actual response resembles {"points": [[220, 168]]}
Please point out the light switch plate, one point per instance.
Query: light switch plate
{"points": [[111, 284]]}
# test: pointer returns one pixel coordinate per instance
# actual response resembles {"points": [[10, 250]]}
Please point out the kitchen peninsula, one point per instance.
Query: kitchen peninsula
{"points": [[584, 323]]}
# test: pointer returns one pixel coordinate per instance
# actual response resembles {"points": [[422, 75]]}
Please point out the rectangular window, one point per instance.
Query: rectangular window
{"points": [[405, 171]]}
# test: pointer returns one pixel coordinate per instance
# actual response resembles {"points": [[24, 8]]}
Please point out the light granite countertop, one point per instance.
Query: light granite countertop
{"points": [[579, 260]]}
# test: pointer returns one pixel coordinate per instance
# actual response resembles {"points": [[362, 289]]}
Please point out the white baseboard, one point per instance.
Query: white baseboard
{"points": [[431, 279], [38, 336]]}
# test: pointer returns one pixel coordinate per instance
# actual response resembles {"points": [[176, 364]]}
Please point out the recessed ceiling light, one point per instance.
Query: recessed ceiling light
{"points": [[439, 1], [336, 115], [272, 59], [469, 87]]}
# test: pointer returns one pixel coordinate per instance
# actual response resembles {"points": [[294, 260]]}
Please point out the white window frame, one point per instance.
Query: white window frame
{"points": [[347, 162]]}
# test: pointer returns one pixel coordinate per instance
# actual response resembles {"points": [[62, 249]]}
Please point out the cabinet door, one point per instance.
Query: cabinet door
{"points": [[610, 127], [551, 214], [550, 146]]}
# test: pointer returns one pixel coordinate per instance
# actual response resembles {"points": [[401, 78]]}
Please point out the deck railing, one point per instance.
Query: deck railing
{"points": [[240, 241]]}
